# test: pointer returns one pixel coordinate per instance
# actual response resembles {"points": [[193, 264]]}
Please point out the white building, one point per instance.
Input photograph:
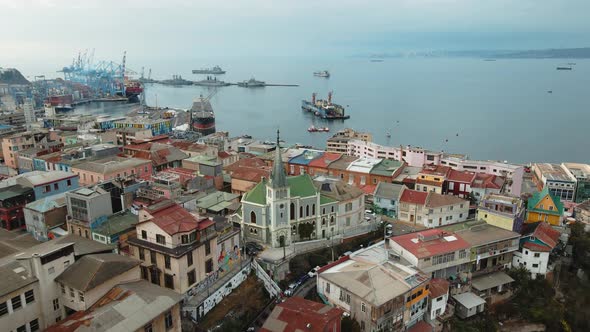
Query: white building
{"points": [[537, 241], [439, 296], [413, 156], [556, 177], [431, 209]]}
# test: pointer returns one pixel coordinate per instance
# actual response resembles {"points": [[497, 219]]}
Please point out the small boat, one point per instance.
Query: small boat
{"points": [[388, 135], [564, 68], [376, 60], [323, 73], [313, 129], [549, 91], [571, 63]]}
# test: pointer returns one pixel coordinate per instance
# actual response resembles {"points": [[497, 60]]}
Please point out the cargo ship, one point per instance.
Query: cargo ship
{"points": [[564, 68], [324, 108], [211, 81], [202, 118], [60, 103], [213, 71], [176, 80], [132, 91], [313, 129], [252, 83], [323, 73]]}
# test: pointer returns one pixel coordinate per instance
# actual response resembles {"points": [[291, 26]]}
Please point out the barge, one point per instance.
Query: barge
{"points": [[325, 109]]}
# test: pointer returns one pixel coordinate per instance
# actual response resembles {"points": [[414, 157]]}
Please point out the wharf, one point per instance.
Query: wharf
{"points": [[99, 100]]}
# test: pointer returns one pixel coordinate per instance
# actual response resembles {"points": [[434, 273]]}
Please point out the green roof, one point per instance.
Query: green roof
{"points": [[117, 223], [301, 186], [257, 195], [326, 200], [386, 167], [538, 196]]}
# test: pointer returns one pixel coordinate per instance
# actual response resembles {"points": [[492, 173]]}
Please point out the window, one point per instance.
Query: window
{"points": [[47, 189], [144, 273], [34, 325], [313, 209], [72, 292], [253, 217], [16, 302], [191, 277], [184, 239], [462, 254], [167, 261], [144, 235], [161, 239], [68, 182], [292, 211], [207, 248], [63, 289], [81, 296], [168, 320], [3, 309], [328, 287], [300, 211], [57, 319], [55, 304], [438, 299], [155, 277], [537, 254], [153, 257], [189, 259], [307, 210], [168, 281], [363, 307], [66, 264], [29, 296], [56, 186], [209, 266], [22, 328], [141, 254], [148, 328]]}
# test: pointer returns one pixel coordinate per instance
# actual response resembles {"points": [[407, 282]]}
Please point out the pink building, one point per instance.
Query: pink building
{"points": [[95, 171]]}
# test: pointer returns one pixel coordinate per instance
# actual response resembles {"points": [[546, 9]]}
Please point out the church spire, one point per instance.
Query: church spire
{"points": [[278, 177]]}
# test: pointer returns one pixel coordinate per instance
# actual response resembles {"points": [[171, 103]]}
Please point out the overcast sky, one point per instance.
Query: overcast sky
{"points": [[55, 30]]}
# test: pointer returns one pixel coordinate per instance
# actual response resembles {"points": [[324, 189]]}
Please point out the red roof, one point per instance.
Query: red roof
{"points": [[173, 218], [546, 234], [189, 146], [436, 170], [324, 160], [369, 189], [250, 174], [460, 176], [299, 314], [488, 181], [536, 247], [421, 326], [431, 242], [413, 197], [223, 154], [247, 162], [438, 287], [338, 261]]}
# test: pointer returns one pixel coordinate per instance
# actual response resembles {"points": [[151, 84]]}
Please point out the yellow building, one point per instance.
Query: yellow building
{"points": [[544, 207], [502, 211]]}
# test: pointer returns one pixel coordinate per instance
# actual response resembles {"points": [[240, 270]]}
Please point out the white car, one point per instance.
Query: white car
{"points": [[313, 272]]}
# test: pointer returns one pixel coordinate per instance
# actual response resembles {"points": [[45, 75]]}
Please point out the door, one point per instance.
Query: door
{"points": [[411, 218], [323, 233]]}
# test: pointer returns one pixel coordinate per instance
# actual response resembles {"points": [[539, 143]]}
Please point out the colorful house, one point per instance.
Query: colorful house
{"points": [[544, 207]]}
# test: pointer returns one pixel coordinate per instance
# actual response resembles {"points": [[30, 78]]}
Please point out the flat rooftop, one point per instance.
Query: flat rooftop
{"points": [[553, 172]]}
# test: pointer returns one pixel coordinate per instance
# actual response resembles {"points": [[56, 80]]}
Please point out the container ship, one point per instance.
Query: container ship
{"points": [[132, 91], [213, 71], [324, 108], [202, 118], [60, 103]]}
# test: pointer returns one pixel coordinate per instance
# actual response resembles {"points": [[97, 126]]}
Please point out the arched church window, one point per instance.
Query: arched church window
{"points": [[292, 212], [253, 217]]}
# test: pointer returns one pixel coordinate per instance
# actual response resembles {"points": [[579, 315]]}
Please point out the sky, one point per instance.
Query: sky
{"points": [[53, 31]]}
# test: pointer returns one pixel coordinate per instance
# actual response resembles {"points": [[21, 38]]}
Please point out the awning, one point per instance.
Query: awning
{"points": [[491, 280], [469, 300]]}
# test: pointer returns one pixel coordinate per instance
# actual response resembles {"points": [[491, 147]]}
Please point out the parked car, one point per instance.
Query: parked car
{"points": [[254, 245], [313, 272]]}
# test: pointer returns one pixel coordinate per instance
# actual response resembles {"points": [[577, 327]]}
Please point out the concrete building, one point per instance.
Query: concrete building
{"points": [[338, 143], [299, 314], [381, 294], [88, 208], [433, 178], [49, 183], [157, 126], [386, 198], [459, 183], [413, 156], [177, 249], [555, 177], [300, 164], [582, 214], [94, 171], [502, 211], [581, 172], [536, 243], [431, 209], [246, 174], [468, 304], [13, 199], [133, 306], [116, 230], [486, 184], [512, 173], [20, 308], [11, 145], [439, 296], [162, 156], [319, 166], [46, 214]]}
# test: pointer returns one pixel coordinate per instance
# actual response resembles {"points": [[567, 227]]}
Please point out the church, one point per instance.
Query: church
{"points": [[282, 209]]}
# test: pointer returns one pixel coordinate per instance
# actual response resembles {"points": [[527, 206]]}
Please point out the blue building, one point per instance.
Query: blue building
{"points": [[50, 183], [386, 198]]}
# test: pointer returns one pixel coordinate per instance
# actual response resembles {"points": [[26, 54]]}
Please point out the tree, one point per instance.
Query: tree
{"points": [[350, 324], [305, 230]]}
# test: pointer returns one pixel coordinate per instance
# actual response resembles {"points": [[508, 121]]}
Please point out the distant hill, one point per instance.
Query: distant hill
{"points": [[554, 53], [12, 76]]}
